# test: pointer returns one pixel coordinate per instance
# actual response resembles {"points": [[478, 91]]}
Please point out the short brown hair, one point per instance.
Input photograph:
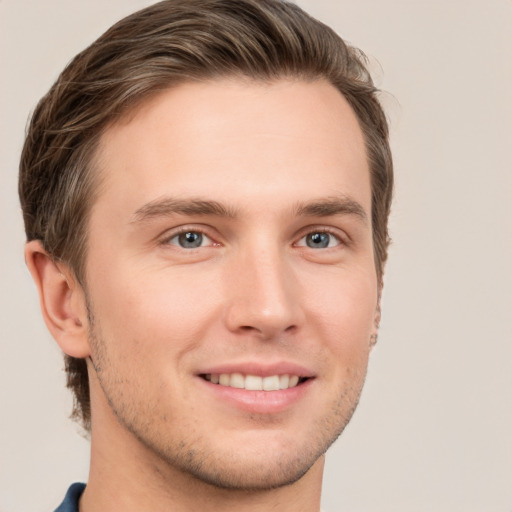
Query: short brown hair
{"points": [[172, 42]]}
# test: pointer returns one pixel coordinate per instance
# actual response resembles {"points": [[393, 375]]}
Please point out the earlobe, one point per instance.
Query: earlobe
{"points": [[376, 321], [62, 300]]}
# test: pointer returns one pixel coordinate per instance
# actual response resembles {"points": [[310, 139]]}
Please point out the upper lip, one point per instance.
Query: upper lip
{"points": [[259, 369]]}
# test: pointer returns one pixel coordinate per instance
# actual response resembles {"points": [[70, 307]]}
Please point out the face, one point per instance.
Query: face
{"points": [[230, 279]]}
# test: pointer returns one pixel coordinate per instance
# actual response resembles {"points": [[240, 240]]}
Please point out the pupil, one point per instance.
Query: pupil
{"points": [[191, 239], [318, 240]]}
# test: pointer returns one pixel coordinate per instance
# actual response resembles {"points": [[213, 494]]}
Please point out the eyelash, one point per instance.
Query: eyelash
{"points": [[186, 229], [341, 241], [166, 241]]}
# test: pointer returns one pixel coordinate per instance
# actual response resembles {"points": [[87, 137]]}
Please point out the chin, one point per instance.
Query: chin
{"points": [[250, 463], [251, 474]]}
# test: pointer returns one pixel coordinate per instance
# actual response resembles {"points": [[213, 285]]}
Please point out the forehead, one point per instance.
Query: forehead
{"points": [[235, 138]]}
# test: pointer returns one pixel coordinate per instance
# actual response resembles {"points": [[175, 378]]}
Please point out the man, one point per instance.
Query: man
{"points": [[205, 192]]}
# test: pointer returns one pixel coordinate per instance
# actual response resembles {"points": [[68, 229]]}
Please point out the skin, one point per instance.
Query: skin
{"points": [[253, 294]]}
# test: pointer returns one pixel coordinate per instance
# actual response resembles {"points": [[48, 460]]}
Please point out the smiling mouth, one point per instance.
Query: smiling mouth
{"points": [[255, 382]]}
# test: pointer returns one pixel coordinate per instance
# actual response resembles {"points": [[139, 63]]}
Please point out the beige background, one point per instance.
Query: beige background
{"points": [[434, 428]]}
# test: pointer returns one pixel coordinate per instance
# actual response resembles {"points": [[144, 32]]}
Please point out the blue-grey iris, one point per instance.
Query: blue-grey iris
{"points": [[190, 240], [318, 240]]}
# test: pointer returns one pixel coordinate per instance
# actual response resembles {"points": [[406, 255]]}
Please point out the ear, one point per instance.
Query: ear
{"points": [[62, 300], [376, 320]]}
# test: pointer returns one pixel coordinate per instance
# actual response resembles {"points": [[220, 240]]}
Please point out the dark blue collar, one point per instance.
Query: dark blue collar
{"points": [[70, 503]]}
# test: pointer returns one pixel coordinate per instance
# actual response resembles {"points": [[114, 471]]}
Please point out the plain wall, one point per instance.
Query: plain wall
{"points": [[433, 431]]}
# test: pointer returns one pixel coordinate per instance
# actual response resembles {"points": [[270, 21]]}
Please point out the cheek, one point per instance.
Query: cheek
{"points": [[345, 301], [343, 312], [161, 308]]}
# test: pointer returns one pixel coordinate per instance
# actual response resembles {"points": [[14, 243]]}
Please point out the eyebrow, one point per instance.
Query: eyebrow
{"points": [[339, 205], [325, 207], [168, 206]]}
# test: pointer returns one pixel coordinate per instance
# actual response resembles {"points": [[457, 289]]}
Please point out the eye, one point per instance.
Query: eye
{"points": [[190, 240], [319, 240]]}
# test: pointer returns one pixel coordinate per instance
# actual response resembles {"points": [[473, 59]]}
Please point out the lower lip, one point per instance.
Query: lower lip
{"points": [[259, 402]]}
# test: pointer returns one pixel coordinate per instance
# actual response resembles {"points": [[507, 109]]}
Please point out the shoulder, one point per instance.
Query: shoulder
{"points": [[70, 503]]}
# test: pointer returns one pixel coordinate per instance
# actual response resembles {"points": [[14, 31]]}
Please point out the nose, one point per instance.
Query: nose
{"points": [[263, 295]]}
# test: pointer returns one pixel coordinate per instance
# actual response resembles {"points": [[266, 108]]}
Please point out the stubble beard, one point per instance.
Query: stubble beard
{"points": [[190, 455]]}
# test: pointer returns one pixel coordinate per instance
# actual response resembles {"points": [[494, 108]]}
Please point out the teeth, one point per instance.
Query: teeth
{"points": [[284, 381], [237, 380], [294, 380], [254, 382], [271, 383]]}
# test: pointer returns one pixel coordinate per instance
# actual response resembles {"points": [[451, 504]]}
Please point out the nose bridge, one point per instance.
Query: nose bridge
{"points": [[263, 296]]}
